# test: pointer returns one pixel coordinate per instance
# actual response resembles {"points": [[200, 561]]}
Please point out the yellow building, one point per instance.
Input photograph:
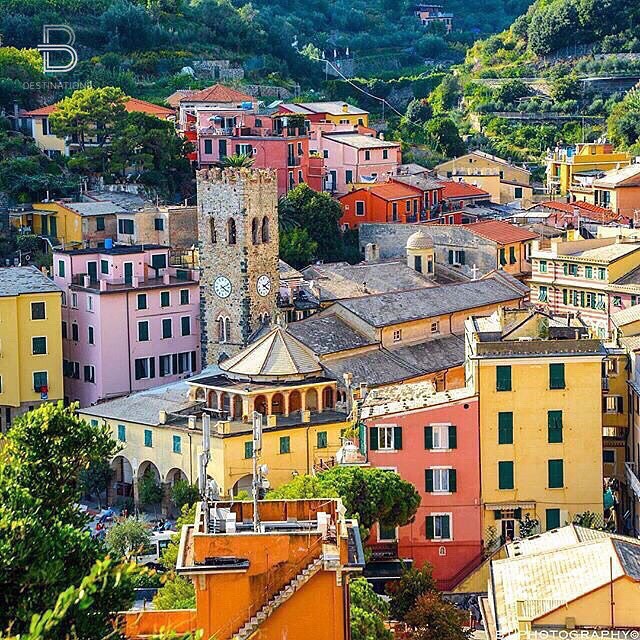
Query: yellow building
{"points": [[30, 341], [336, 112], [564, 166], [567, 583], [277, 376], [505, 181], [539, 382]]}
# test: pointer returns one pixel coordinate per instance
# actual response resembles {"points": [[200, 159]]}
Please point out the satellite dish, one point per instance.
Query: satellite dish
{"points": [[264, 470], [213, 490], [347, 453]]}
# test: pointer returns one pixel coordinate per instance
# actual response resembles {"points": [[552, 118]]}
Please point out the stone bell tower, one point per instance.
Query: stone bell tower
{"points": [[238, 250]]}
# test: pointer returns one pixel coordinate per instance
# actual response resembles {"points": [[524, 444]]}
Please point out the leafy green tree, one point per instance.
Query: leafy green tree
{"points": [[624, 122], [565, 87], [444, 137], [553, 26], [297, 248], [370, 495], [446, 95], [89, 113], [45, 546], [184, 494], [176, 593], [405, 592], [510, 92], [149, 489], [419, 111], [128, 537], [433, 618], [319, 214], [368, 612], [95, 479]]}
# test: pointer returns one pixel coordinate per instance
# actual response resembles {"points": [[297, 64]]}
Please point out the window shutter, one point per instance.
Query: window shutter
{"points": [[428, 480], [556, 474], [446, 526], [174, 362], [552, 519], [497, 514], [429, 522], [453, 437], [556, 376], [505, 475], [152, 367], [373, 438], [450, 256], [397, 437], [565, 297], [619, 404], [604, 404], [428, 437], [453, 482], [554, 419], [505, 427], [462, 257]]}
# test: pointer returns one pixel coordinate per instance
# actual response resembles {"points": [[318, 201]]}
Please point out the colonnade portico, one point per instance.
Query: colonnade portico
{"points": [[239, 405]]}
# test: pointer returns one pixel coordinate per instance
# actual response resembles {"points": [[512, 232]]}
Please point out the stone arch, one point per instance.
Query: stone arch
{"points": [[328, 398], [260, 404], [175, 475], [295, 401], [147, 467], [231, 231], [255, 232], [311, 400], [201, 394], [265, 229], [121, 479], [212, 230], [243, 484], [277, 404], [224, 328], [225, 402]]}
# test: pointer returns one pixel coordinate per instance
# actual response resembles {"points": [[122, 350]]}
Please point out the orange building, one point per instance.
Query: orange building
{"points": [[384, 202], [288, 579]]}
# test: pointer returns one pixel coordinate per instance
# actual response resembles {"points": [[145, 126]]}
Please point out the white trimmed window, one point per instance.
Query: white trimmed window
{"points": [[440, 436]]}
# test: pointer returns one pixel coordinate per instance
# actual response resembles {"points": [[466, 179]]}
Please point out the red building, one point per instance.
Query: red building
{"points": [[270, 141], [381, 202], [432, 440]]}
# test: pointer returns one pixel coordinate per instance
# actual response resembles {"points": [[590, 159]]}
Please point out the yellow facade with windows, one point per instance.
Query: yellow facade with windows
{"points": [[30, 341], [67, 226], [527, 482]]}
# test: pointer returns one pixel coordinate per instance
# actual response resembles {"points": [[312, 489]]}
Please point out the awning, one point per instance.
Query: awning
{"points": [[506, 506]]}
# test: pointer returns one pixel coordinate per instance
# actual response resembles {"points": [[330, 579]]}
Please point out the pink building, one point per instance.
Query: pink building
{"points": [[355, 158], [129, 321], [432, 440], [273, 142]]}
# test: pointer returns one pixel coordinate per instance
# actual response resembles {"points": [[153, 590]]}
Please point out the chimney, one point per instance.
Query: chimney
{"points": [[192, 422], [371, 252], [162, 416], [166, 277], [345, 108]]}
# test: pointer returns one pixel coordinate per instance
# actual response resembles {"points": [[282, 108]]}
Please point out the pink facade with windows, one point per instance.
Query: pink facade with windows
{"points": [[437, 449], [355, 158], [270, 142], [129, 321]]}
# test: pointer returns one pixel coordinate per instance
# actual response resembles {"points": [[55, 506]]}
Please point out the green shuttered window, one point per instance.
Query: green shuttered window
{"points": [[554, 419], [505, 474], [556, 474], [505, 427], [552, 519], [503, 378], [556, 376]]}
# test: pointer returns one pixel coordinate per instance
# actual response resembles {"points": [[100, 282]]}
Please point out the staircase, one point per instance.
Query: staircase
{"points": [[249, 627]]}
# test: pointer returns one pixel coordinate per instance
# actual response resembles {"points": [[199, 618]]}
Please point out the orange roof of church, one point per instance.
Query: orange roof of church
{"points": [[501, 232], [131, 105]]}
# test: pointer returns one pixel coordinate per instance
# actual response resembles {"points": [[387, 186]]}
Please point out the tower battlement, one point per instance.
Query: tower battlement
{"points": [[236, 175]]}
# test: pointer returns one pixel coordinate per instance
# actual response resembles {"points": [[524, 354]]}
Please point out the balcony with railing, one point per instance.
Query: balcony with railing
{"points": [[615, 433]]}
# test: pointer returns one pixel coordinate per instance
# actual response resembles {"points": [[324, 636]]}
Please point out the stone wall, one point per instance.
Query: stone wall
{"points": [[391, 242], [239, 195], [183, 227]]}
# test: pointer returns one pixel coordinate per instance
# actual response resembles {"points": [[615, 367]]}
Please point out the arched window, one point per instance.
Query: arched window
{"points": [[231, 231], [265, 229], [212, 229], [255, 236], [224, 329]]}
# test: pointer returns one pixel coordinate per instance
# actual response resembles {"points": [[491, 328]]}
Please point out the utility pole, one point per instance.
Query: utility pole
{"points": [[256, 483]]}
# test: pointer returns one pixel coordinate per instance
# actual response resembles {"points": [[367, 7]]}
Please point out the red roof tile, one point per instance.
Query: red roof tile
{"points": [[454, 189], [501, 232], [219, 93], [586, 210], [131, 105], [394, 191]]}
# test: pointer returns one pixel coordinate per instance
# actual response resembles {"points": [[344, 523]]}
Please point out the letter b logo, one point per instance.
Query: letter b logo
{"points": [[47, 48]]}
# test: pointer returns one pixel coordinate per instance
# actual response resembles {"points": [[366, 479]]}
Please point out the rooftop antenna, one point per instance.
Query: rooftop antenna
{"points": [[256, 481]]}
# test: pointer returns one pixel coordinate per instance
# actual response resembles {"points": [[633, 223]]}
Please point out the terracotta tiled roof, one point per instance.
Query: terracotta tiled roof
{"points": [[586, 210], [131, 105], [394, 191], [453, 189], [219, 93], [135, 105], [501, 232]]}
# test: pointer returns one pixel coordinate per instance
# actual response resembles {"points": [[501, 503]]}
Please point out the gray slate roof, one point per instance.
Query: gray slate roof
{"points": [[98, 208], [420, 180], [15, 281], [341, 280], [629, 555], [433, 355], [327, 334], [404, 306]]}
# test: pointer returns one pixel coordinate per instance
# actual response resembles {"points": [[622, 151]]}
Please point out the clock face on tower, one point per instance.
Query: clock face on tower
{"points": [[222, 287], [263, 285]]}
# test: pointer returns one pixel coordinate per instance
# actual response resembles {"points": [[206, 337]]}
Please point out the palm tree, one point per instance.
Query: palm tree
{"points": [[238, 160]]}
